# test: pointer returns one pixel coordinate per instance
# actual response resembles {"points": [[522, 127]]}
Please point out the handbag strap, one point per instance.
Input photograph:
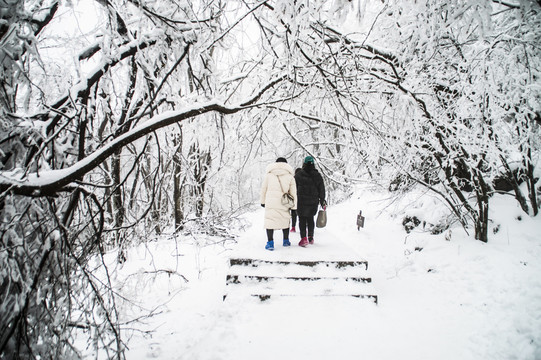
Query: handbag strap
{"points": [[281, 186]]}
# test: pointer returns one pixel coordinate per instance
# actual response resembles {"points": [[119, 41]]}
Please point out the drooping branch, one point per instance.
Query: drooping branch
{"points": [[236, 23], [313, 118], [41, 23], [169, 73], [51, 182], [331, 35], [86, 84], [171, 22], [326, 170], [507, 3]]}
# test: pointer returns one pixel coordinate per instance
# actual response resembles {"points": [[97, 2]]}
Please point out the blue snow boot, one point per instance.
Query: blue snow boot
{"points": [[286, 242], [270, 245]]}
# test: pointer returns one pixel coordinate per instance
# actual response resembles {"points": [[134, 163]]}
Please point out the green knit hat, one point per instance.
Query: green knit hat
{"points": [[308, 160]]}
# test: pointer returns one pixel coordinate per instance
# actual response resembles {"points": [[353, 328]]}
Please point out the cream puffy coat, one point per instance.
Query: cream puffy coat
{"points": [[278, 180]]}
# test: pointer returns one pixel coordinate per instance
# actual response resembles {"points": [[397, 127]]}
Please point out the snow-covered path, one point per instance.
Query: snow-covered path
{"points": [[458, 299]]}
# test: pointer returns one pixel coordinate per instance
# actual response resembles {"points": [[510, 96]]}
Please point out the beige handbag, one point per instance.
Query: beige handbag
{"points": [[287, 199]]}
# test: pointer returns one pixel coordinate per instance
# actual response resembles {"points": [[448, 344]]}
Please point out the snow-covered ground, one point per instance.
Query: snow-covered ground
{"points": [[458, 299]]}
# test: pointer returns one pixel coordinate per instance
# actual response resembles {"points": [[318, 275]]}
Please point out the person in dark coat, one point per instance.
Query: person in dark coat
{"points": [[310, 194]]}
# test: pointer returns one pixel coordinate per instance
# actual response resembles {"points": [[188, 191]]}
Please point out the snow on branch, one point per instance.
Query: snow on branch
{"points": [[313, 118], [45, 19], [237, 22], [124, 52], [326, 170], [48, 183], [379, 51], [172, 22], [90, 51], [260, 93], [507, 3]]}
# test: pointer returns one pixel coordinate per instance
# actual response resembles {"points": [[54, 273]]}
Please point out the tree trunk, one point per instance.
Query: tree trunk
{"points": [[531, 182], [201, 164], [481, 221], [201, 172], [177, 185], [116, 196], [521, 199]]}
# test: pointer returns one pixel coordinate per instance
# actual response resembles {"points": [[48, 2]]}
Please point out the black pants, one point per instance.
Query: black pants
{"points": [[306, 222], [270, 233], [293, 218]]}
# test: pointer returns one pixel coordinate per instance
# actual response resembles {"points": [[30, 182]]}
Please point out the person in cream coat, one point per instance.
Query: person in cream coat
{"points": [[278, 181]]}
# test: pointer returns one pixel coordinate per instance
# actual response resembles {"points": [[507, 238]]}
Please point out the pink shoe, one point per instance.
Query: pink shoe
{"points": [[293, 229], [303, 242], [311, 240]]}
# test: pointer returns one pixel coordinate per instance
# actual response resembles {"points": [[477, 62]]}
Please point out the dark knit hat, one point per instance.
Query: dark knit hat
{"points": [[308, 160], [281, 159]]}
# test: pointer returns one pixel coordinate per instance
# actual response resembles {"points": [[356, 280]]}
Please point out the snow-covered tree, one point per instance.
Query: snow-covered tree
{"points": [[466, 75], [83, 164], [442, 93]]}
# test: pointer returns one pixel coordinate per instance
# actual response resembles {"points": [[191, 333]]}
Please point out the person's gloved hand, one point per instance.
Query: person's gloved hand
{"points": [[324, 204], [262, 205]]}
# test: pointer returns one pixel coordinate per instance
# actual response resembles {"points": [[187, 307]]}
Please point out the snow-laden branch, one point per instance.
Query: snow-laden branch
{"points": [[45, 19], [332, 35], [237, 22], [325, 170], [313, 118], [46, 183], [507, 3], [171, 21], [124, 52]]}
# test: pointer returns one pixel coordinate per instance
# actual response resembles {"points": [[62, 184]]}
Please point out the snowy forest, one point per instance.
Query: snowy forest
{"points": [[123, 120]]}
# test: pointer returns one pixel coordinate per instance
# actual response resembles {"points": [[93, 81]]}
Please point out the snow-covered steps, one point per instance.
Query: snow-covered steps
{"points": [[373, 298], [311, 263], [237, 279], [266, 278]]}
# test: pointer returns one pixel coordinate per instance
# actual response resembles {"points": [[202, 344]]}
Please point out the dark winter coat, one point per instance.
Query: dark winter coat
{"points": [[310, 190]]}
